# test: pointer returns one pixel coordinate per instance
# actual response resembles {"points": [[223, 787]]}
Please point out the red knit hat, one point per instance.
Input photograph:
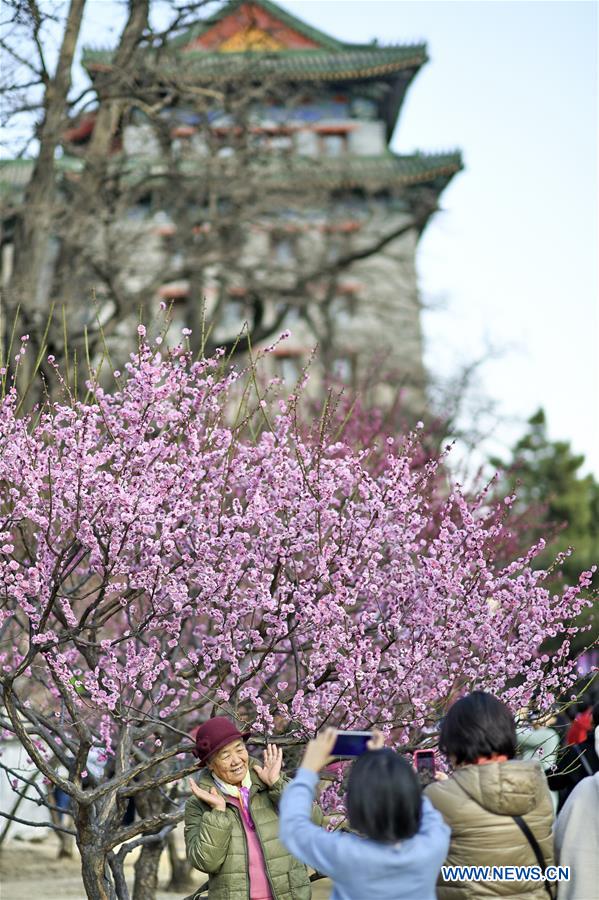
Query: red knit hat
{"points": [[215, 734]]}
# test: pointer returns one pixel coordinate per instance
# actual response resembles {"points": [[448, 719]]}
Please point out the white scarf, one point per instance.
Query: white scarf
{"points": [[243, 796], [233, 789]]}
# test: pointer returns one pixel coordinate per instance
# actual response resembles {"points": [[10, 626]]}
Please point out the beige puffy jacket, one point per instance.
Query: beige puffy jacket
{"points": [[478, 803]]}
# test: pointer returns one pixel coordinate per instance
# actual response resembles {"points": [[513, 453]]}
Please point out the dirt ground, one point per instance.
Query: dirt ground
{"points": [[31, 871]]}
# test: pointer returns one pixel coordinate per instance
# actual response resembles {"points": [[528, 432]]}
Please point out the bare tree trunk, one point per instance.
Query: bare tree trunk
{"points": [[113, 99], [146, 871], [110, 108], [66, 847], [34, 254], [181, 879], [95, 871], [148, 804], [35, 222], [66, 841], [95, 874]]}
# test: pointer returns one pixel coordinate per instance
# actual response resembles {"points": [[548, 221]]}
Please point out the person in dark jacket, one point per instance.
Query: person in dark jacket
{"points": [[578, 761], [582, 724], [488, 797], [564, 717], [232, 820]]}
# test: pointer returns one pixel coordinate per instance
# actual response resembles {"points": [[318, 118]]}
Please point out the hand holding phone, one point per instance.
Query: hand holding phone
{"points": [[424, 762], [331, 744], [318, 752], [351, 743]]}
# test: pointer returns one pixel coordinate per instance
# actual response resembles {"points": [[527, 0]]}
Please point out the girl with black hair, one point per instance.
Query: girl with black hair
{"points": [[401, 840]]}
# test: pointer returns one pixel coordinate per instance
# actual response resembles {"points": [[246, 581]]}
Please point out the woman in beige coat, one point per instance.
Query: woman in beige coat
{"points": [[490, 801]]}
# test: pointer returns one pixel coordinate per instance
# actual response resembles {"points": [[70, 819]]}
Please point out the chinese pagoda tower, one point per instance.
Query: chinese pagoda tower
{"points": [[344, 213]]}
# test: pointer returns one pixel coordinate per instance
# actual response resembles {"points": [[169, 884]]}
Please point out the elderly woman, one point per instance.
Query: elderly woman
{"points": [[232, 821]]}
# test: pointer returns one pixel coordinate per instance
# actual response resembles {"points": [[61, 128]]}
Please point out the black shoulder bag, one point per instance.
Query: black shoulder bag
{"points": [[531, 840], [536, 850]]}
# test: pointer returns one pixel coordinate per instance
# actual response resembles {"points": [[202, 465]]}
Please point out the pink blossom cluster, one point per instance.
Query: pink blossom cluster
{"points": [[176, 548]]}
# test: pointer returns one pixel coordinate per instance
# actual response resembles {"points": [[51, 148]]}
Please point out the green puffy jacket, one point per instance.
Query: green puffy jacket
{"points": [[216, 843]]}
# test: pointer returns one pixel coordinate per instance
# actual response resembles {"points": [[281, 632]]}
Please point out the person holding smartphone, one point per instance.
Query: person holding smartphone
{"points": [[400, 841], [424, 763]]}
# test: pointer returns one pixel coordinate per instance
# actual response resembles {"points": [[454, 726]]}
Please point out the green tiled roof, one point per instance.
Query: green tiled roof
{"points": [[15, 173], [377, 172], [371, 173], [304, 65]]}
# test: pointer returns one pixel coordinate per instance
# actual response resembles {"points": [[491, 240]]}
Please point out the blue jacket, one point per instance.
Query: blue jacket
{"points": [[363, 869]]}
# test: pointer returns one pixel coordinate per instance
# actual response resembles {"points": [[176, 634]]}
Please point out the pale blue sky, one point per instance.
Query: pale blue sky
{"points": [[511, 262], [513, 257]]}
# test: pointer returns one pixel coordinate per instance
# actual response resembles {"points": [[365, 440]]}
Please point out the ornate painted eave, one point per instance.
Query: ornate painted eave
{"points": [[311, 34]]}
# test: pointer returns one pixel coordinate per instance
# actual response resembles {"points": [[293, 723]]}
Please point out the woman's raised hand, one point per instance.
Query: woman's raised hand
{"points": [[212, 797], [377, 741], [273, 760]]}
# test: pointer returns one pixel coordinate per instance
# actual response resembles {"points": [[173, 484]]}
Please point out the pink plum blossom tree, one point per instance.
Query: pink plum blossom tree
{"points": [[184, 547]]}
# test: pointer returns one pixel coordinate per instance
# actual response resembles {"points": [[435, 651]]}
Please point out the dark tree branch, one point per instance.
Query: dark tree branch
{"points": [[48, 824]]}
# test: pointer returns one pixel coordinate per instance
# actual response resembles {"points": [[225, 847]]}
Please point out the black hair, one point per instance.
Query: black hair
{"points": [[595, 715], [384, 797], [478, 725], [585, 702], [571, 712]]}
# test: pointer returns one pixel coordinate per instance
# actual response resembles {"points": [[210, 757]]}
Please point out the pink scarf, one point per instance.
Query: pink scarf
{"points": [[244, 804]]}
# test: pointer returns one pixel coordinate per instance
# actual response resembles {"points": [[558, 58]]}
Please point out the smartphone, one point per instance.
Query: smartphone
{"points": [[351, 743], [424, 761]]}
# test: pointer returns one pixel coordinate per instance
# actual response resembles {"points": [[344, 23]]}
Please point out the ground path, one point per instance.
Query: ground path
{"points": [[31, 871]]}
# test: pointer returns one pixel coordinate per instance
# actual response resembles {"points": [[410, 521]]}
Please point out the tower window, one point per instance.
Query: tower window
{"points": [[333, 144]]}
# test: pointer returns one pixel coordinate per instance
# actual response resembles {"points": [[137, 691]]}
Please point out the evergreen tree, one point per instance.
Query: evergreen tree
{"points": [[546, 477]]}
